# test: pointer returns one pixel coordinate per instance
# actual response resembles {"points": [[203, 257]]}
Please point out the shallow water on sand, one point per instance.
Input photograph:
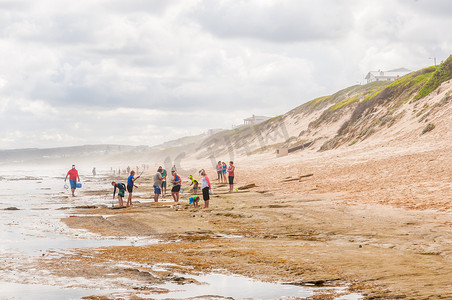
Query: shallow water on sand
{"points": [[35, 228]]}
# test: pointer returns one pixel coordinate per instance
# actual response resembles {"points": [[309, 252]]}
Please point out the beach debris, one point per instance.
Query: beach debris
{"points": [[297, 178], [86, 206], [246, 187], [11, 208], [117, 207]]}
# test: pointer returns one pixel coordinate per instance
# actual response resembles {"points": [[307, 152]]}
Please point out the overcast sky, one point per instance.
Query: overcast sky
{"points": [[141, 72]]}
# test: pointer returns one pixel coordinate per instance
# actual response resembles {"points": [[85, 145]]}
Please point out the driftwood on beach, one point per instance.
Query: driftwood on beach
{"points": [[297, 178]]}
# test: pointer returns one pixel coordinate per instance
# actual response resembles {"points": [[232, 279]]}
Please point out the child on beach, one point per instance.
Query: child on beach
{"points": [[164, 174], [195, 184], [194, 200], [224, 171], [205, 188], [130, 184], [121, 190]]}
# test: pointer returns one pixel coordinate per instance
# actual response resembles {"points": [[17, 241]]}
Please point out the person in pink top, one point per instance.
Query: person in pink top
{"points": [[206, 187], [73, 176], [231, 175]]}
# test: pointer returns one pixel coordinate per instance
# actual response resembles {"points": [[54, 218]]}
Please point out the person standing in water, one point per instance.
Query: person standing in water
{"points": [[73, 176], [157, 184], [205, 188], [130, 184], [231, 175]]}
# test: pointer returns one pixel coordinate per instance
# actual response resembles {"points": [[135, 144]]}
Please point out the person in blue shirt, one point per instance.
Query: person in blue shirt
{"points": [[130, 185], [121, 189]]}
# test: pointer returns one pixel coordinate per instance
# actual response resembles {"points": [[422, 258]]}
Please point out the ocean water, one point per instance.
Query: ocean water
{"points": [[30, 207]]}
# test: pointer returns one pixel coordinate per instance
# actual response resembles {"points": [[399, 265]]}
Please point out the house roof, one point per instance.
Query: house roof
{"points": [[253, 118], [388, 74]]}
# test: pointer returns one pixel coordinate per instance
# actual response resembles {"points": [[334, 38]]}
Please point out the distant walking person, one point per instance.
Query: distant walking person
{"points": [[130, 184], [173, 169], [157, 184], [121, 190], [205, 188], [73, 176], [94, 172], [164, 175], [231, 175], [176, 181]]}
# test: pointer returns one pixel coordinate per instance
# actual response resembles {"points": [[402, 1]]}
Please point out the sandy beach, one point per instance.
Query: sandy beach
{"points": [[378, 224]]}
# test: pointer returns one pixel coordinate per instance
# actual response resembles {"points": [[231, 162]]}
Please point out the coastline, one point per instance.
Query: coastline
{"points": [[376, 250]]}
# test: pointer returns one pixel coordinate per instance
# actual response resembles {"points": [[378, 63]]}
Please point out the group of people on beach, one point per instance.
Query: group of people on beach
{"points": [[160, 184]]}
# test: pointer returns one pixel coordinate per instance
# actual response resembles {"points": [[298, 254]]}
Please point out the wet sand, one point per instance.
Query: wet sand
{"points": [[378, 222], [305, 239]]}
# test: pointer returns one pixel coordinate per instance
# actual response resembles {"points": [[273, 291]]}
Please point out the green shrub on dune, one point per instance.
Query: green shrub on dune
{"points": [[442, 73]]}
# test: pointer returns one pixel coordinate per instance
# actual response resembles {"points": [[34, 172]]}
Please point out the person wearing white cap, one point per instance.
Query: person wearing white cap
{"points": [[73, 176]]}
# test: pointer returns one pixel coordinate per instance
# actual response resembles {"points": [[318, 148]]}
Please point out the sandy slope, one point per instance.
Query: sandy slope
{"points": [[378, 218], [375, 215]]}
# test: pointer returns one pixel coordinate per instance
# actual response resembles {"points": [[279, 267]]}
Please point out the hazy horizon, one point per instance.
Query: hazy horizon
{"points": [[147, 72]]}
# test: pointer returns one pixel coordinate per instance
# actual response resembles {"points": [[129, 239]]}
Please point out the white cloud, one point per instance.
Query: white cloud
{"points": [[161, 69]]}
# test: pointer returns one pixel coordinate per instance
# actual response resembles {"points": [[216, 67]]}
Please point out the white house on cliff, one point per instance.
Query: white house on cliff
{"points": [[390, 75]]}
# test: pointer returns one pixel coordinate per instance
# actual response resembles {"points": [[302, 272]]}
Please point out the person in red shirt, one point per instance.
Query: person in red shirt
{"points": [[73, 176], [231, 174]]}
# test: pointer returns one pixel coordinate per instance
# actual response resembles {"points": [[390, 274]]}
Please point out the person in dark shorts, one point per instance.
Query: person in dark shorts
{"points": [[130, 184], [176, 181], [195, 184], [206, 187], [231, 175], [121, 190], [157, 184]]}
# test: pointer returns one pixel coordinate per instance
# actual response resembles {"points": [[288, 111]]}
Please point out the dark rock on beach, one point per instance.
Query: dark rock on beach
{"points": [[11, 208]]}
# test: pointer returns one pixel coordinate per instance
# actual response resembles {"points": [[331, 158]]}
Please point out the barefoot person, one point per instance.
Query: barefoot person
{"points": [[176, 181], [73, 176], [130, 185], [157, 184], [195, 184], [205, 188], [194, 200], [121, 190], [231, 175], [225, 167], [164, 175]]}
